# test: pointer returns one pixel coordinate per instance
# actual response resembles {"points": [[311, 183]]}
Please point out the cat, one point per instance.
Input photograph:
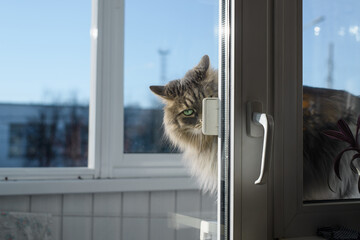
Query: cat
{"points": [[322, 108], [183, 121]]}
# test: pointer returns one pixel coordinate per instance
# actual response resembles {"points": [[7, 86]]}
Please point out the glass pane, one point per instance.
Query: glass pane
{"points": [[331, 77], [45, 80], [171, 41]]}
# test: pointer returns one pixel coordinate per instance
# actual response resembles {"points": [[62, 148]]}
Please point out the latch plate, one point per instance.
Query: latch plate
{"points": [[210, 116]]}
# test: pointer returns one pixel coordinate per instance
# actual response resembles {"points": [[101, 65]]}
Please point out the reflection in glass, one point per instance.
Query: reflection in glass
{"points": [[331, 77]]}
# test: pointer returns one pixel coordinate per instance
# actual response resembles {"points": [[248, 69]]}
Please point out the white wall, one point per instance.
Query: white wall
{"points": [[125, 216]]}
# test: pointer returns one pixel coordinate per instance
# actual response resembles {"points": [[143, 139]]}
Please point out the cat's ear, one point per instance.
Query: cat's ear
{"points": [[204, 64], [199, 71], [159, 91]]}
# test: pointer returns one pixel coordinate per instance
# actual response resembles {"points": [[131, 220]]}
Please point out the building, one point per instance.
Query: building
{"points": [[57, 135], [43, 135]]}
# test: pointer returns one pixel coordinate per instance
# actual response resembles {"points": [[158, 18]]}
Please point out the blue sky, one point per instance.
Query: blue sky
{"points": [[341, 27], [44, 50], [187, 28], [45, 46]]}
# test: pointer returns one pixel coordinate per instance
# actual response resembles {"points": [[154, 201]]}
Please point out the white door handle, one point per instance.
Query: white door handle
{"points": [[267, 123]]}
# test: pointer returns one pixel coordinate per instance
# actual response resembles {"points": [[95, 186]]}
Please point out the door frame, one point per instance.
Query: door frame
{"points": [[251, 79], [293, 218]]}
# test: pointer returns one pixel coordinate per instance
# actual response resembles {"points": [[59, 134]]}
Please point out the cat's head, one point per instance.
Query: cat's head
{"points": [[183, 100]]}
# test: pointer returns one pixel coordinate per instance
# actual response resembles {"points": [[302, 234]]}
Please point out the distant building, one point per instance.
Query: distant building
{"points": [[57, 136], [143, 131], [43, 135]]}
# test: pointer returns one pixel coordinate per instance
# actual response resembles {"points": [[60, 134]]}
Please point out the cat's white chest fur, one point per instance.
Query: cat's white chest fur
{"points": [[183, 123], [203, 165]]}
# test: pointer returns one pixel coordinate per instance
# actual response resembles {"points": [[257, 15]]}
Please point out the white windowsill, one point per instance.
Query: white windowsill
{"points": [[95, 185]]}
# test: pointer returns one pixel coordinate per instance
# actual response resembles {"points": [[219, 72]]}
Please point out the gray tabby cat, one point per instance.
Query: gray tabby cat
{"points": [[322, 108], [183, 120]]}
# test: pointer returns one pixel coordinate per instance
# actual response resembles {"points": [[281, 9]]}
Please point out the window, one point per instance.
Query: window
{"points": [[45, 78], [331, 53], [163, 48], [313, 45], [17, 141], [88, 123], [88, 112], [54, 136], [266, 57]]}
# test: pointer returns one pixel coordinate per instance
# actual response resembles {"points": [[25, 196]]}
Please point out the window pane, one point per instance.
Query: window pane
{"points": [[45, 80], [163, 40], [164, 43], [331, 76]]}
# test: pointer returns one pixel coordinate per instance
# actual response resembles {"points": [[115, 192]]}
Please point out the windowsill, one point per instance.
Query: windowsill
{"points": [[95, 185], [304, 238]]}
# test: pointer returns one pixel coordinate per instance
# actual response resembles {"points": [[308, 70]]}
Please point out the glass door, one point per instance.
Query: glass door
{"points": [[248, 201], [331, 103], [317, 108]]}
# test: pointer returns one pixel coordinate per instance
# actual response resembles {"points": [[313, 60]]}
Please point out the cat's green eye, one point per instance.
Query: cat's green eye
{"points": [[188, 112]]}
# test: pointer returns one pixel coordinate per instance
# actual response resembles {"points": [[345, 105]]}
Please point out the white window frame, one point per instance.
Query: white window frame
{"points": [[109, 75], [109, 169]]}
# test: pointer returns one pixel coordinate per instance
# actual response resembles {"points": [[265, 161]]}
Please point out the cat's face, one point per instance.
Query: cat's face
{"points": [[183, 99], [183, 120], [184, 110]]}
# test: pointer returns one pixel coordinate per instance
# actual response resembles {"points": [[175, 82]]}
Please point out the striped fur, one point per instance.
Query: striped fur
{"points": [[322, 109], [184, 132]]}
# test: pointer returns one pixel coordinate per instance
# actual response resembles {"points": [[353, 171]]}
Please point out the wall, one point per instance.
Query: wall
{"points": [[125, 216]]}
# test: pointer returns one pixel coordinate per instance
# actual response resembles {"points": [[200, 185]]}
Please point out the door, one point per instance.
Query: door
{"points": [[299, 60], [247, 80]]}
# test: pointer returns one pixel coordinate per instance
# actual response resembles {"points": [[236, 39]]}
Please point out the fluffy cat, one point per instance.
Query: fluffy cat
{"points": [[322, 108], [183, 120]]}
